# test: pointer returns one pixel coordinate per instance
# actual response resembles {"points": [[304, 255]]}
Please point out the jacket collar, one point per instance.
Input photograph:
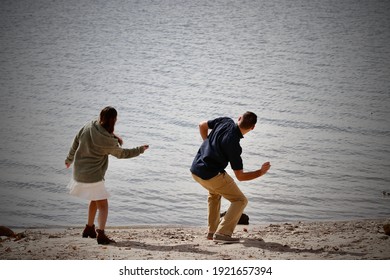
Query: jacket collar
{"points": [[239, 132]]}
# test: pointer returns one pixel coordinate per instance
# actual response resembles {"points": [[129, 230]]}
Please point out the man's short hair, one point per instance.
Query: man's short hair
{"points": [[249, 119]]}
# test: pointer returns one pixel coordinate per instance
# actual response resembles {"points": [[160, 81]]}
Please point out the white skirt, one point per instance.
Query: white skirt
{"points": [[90, 191]]}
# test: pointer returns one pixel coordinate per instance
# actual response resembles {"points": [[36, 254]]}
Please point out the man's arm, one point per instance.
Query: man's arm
{"points": [[204, 130], [247, 176]]}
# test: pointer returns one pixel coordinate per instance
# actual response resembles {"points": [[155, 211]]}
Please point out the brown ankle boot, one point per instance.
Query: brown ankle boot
{"points": [[89, 231], [102, 238]]}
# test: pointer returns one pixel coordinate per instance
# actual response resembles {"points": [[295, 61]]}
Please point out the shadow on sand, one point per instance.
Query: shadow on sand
{"points": [[189, 248], [246, 242], [277, 247]]}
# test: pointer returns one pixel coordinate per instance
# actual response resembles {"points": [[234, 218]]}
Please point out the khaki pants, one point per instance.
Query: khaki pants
{"points": [[219, 186]]}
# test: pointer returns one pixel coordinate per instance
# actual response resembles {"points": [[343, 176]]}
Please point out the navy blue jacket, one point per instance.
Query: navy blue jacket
{"points": [[221, 147]]}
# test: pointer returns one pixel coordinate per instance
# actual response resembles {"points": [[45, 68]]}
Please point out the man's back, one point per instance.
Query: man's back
{"points": [[221, 147]]}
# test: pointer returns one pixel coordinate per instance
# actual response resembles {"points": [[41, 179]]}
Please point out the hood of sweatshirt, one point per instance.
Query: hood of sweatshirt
{"points": [[101, 137]]}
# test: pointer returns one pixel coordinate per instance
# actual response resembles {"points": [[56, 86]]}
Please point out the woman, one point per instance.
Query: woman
{"points": [[89, 153]]}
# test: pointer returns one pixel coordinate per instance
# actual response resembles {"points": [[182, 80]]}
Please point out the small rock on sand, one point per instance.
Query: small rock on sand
{"points": [[5, 231], [386, 228]]}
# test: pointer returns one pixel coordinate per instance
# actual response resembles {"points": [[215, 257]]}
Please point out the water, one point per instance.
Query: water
{"points": [[315, 72]]}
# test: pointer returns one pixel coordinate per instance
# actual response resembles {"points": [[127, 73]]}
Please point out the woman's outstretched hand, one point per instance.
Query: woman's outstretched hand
{"points": [[265, 167]]}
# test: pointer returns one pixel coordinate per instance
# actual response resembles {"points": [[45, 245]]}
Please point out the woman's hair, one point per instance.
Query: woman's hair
{"points": [[249, 119], [108, 118]]}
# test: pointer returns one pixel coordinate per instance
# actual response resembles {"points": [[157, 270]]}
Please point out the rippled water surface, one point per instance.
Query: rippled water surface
{"points": [[315, 72]]}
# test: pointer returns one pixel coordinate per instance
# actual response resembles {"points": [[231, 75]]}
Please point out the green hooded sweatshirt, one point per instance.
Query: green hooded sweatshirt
{"points": [[90, 150]]}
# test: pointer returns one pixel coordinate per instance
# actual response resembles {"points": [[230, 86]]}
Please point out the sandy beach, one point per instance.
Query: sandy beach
{"points": [[340, 240]]}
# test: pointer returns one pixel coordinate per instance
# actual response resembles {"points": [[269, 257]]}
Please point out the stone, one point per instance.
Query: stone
{"points": [[386, 228], [5, 231]]}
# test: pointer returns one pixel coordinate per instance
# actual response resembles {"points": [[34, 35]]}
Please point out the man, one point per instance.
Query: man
{"points": [[219, 148]]}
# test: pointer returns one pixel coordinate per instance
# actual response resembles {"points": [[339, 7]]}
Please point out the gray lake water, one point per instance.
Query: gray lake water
{"points": [[316, 72]]}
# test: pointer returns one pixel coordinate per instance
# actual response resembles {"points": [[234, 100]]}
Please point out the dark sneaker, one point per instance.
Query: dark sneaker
{"points": [[102, 238], [210, 236], [89, 231], [221, 238]]}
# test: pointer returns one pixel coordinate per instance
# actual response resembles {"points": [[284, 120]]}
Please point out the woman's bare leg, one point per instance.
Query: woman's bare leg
{"points": [[102, 206], [92, 209]]}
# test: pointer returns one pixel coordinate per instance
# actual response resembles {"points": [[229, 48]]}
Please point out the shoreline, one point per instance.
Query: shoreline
{"points": [[363, 239], [138, 226]]}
